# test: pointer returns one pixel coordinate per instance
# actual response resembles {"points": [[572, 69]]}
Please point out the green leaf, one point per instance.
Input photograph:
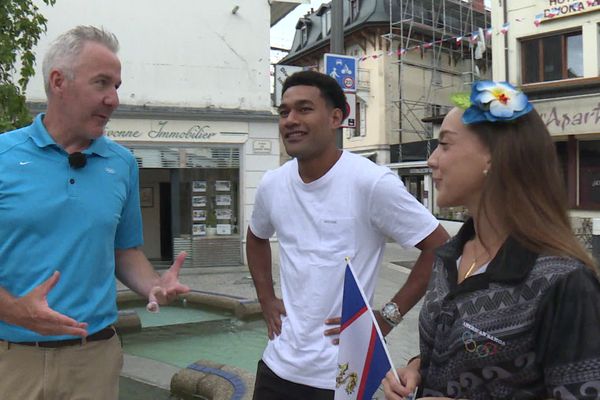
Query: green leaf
{"points": [[21, 26], [461, 100]]}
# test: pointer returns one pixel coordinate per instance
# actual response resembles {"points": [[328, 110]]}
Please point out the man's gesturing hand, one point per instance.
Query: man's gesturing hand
{"points": [[168, 286], [33, 312]]}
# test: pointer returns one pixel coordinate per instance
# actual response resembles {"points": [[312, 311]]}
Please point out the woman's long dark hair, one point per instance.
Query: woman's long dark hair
{"points": [[524, 188]]}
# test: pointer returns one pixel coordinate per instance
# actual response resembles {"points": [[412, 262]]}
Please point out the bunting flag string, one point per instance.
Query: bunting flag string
{"points": [[481, 33], [485, 33]]}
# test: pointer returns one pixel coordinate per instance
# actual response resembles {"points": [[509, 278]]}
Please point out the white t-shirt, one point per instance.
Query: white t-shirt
{"points": [[348, 212]]}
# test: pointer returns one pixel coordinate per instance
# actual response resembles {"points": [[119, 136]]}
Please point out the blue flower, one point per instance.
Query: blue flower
{"points": [[495, 101]]}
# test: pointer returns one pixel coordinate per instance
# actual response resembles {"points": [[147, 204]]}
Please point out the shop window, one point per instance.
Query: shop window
{"points": [[552, 58], [213, 201], [563, 158], [190, 198], [589, 174], [459, 214]]}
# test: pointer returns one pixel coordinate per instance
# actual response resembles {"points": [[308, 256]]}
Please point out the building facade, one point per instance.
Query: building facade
{"points": [[552, 50], [195, 111]]}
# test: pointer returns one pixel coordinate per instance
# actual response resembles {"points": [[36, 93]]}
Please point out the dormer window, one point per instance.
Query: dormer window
{"points": [[326, 22], [304, 34], [355, 8], [303, 25]]}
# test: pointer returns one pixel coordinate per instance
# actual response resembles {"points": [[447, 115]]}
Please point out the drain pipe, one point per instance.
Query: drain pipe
{"points": [[505, 17], [596, 239]]}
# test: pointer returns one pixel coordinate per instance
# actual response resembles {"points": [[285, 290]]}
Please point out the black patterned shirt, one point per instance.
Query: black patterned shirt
{"points": [[526, 328]]}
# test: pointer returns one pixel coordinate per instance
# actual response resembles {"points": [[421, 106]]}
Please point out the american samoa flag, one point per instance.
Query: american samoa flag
{"points": [[363, 359]]}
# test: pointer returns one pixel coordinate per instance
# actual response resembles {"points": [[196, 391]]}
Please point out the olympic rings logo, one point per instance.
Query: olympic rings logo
{"points": [[482, 350]]}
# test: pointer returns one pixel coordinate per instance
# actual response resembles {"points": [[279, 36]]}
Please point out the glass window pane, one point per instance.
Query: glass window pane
{"points": [[589, 174], [563, 160], [326, 23], [553, 58], [531, 62], [574, 56]]}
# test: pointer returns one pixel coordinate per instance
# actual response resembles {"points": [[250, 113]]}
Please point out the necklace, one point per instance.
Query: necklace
{"points": [[470, 270]]}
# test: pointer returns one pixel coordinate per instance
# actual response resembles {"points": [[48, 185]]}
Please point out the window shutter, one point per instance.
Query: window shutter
{"points": [[186, 157]]}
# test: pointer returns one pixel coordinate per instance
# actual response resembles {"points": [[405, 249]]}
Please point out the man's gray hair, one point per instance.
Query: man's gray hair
{"points": [[65, 49]]}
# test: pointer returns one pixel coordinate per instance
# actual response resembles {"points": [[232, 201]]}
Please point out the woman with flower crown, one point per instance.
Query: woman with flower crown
{"points": [[513, 306]]}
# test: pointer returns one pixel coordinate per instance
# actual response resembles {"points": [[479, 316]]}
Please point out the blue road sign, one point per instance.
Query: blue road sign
{"points": [[342, 69]]}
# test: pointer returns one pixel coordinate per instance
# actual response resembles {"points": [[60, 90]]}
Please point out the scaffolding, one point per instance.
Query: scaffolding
{"points": [[435, 29]]}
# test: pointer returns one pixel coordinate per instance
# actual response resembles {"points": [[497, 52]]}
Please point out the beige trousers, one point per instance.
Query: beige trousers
{"points": [[81, 372]]}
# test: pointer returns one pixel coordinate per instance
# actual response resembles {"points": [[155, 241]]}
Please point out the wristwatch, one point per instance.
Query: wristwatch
{"points": [[391, 314]]}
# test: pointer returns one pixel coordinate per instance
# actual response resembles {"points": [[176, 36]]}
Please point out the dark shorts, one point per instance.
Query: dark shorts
{"points": [[269, 386]]}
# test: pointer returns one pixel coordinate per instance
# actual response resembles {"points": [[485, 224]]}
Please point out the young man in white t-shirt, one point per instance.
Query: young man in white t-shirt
{"points": [[325, 205]]}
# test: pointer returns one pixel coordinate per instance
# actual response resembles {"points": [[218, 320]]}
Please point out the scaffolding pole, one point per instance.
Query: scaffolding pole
{"points": [[423, 25]]}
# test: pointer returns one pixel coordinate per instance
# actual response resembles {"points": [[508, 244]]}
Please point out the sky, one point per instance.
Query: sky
{"points": [[282, 34]]}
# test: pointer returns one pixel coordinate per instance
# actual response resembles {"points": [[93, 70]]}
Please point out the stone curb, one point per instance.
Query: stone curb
{"points": [[203, 378]]}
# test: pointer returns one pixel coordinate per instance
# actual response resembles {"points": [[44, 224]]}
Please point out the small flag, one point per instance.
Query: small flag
{"points": [[538, 20], [504, 28], [474, 36], [489, 31], [363, 359]]}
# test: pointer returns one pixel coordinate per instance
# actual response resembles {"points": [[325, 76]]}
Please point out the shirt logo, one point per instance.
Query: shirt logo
{"points": [[488, 348], [24, 162], [109, 170]]}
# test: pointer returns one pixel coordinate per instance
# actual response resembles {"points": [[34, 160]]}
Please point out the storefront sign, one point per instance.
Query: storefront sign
{"points": [[566, 8], [570, 116], [261, 147], [142, 130]]}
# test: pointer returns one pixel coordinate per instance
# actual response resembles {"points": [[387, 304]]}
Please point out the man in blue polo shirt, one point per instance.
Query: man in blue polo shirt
{"points": [[71, 220]]}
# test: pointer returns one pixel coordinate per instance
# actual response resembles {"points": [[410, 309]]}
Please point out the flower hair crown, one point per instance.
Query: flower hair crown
{"points": [[492, 101]]}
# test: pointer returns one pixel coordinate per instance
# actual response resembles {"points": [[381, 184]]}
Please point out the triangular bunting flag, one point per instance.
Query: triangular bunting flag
{"points": [[363, 359]]}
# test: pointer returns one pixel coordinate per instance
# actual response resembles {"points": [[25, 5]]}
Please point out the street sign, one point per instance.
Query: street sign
{"points": [[342, 69], [281, 74], [350, 121]]}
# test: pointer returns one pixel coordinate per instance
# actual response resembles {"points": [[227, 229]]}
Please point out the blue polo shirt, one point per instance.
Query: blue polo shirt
{"points": [[56, 218]]}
